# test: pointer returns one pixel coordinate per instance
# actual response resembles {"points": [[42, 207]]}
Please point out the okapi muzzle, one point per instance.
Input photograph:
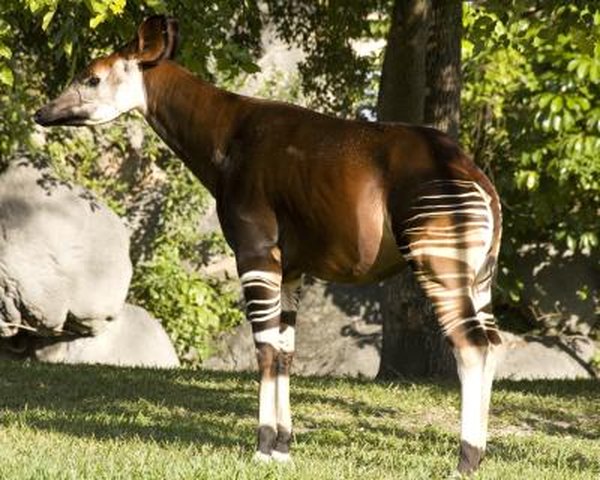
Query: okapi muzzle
{"points": [[64, 110], [299, 193]]}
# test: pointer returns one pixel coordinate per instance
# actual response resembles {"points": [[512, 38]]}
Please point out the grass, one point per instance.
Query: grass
{"points": [[86, 422]]}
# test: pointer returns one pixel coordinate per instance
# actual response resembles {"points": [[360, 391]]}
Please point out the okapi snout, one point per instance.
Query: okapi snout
{"points": [[61, 111]]}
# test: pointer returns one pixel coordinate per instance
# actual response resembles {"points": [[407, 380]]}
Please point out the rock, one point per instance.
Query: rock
{"points": [[561, 288], [332, 341], [544, 357], [132, 338], [332, 337], [63, 254]]}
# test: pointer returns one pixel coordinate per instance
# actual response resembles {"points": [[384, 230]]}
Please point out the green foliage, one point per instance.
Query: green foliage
{"points": [[66, 34], [75, 158], [531, 118], [42, 44], [192, 308], [334, 76]]}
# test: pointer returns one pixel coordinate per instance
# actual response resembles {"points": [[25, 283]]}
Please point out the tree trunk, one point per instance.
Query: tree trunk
{"points": [[443, 79], [412, 344], [402, 85]]}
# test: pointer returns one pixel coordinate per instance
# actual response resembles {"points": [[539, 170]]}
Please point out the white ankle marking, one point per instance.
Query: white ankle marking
{"points": [[261, 457], [281, 457]]}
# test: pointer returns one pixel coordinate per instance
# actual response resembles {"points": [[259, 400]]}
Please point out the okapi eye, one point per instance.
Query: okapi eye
{"points": [[92, 81]]}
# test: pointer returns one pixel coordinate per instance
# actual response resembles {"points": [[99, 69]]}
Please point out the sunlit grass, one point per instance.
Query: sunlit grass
{"points": [[64, 422]]}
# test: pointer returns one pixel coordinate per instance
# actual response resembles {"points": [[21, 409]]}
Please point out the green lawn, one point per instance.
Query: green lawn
{"points": [[63, 422]]}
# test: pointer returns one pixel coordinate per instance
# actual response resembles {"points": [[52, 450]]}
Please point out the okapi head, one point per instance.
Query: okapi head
{"points": [[113, 85]]}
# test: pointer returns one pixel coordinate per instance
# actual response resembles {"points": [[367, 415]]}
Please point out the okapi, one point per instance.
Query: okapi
{"points": [[299, 192]]}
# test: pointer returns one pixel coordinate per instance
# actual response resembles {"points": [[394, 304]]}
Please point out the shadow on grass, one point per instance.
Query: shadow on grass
{"points": [[219, 409], [553, 407], [105, 402]]}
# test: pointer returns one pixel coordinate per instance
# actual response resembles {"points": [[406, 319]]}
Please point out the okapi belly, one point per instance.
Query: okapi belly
{"points": [[368, 257]]}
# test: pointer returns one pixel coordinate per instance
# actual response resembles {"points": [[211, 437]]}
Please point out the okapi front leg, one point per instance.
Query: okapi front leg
{"points": [[289, 301], [263, 305]]}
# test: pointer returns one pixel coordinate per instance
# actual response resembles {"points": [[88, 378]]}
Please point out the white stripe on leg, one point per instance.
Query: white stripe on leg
{"points": [[284, 415], [266, 411], [270, 336], [486, 393], [470, 363]]}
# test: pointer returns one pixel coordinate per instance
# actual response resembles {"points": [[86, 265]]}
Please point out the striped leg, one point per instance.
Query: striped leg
{"points": [[448, 239], [263, 309], [289, 303]]}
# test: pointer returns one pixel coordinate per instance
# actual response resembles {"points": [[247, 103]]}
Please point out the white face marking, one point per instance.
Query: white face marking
{"points": [[104, 94], [121, 89]]}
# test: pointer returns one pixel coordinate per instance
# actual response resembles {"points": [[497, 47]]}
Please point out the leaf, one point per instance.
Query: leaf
{"points": [[251, 67], [5, 52], [532, 180], [6, 76], [571, 243], [68, 49], [158, 6], [117, 6], [572, 65], [557, 122], [595, 72], [556, 105], [584, 103], [97, 20], [47, 19], [545, 99], [582, 69]]}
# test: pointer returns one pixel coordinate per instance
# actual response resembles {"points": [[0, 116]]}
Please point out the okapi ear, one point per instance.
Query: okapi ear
{"points": [[157, 39]]}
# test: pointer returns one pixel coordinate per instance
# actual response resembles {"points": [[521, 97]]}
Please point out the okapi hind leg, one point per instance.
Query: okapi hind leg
{"points": [[471, 362], [450, 239]]}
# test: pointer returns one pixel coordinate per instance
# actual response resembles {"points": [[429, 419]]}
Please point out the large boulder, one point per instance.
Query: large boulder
{"points": [[338, 333], [532, 357], [132, 338], [335, 337], [561, 288], [64, 256]]}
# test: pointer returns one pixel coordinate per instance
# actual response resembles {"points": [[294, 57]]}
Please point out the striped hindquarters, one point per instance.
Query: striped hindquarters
{"points": [[449, 239]]}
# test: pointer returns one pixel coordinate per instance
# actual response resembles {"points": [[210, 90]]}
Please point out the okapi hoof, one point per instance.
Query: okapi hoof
{"points": [[470, 458], [266, 441], [281, 449]]}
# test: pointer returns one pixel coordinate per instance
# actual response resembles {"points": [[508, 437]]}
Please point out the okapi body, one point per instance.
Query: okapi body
{"points": [[298, 193]]}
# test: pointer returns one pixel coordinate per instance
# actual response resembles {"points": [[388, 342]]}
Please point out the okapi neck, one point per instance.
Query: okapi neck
{"points": [[193, 117]]}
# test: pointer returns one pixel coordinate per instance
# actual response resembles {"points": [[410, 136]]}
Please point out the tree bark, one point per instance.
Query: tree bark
{"points": [[402, 85], [412, 345], [443, 75]]}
